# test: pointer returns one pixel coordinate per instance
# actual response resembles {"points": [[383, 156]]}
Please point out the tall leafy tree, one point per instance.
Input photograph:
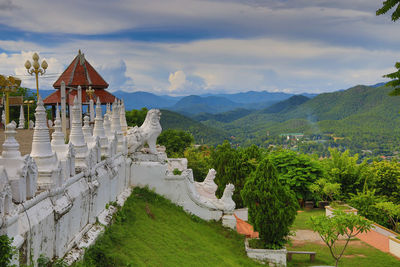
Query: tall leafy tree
{"points": [[272, 206], [298, 171], [175, 141]]}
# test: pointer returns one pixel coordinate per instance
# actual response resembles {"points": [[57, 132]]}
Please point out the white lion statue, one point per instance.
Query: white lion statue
{"points": [[137, 137]]}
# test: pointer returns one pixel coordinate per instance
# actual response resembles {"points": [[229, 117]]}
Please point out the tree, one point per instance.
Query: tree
{"points": [[199, 161], [136, 117], [298, 171], [388, 5], [272, 206], [386, 179], [326, 191], [234, 166], [341, 224], [344, 169], [175, 142]]}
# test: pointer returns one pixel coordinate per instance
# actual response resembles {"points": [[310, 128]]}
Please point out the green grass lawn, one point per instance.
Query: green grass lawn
{"points": [[357, 252], [171, 238], [302, 218]]}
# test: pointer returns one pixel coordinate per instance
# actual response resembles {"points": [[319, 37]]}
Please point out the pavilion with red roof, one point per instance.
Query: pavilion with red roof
{"points": [[80, 73]]}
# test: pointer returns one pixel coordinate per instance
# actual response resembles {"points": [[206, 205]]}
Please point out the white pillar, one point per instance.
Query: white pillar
{"points": [[79, 99], [122, 117], [91, 110], [63, 109], [21, 118]]}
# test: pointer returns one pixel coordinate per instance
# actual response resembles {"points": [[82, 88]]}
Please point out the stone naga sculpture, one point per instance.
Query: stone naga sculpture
{"points": [[137, 137], [206, 192], [207, 188]]}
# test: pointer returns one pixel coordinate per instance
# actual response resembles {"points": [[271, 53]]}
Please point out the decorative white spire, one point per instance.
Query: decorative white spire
{"points": [[76, 136], [58, 137], [87, 130], [108, 110], [122, 118], [115, 121], [98, 121], [107, 126], [41, 137], [21, 118], [45, 158], [10, 145]]}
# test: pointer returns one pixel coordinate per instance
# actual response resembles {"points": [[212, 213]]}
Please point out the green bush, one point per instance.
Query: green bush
{"points": [[6, 250], [386, 179], [365, 203], [272, 206]]}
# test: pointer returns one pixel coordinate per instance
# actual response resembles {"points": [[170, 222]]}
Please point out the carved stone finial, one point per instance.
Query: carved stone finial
{"points": [[10, 145], [58, 137], [99, 128], [41, 137], [87, 130], [42, 153], [76, 136], [107, 126]]}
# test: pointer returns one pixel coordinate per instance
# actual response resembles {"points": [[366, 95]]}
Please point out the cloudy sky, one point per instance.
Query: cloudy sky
{"points": [[184, 47]]}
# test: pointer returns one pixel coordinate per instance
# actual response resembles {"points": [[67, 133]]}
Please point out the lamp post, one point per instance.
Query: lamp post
{"points": [[90, 92], [36, 69], [28, 102], [8, 85]]}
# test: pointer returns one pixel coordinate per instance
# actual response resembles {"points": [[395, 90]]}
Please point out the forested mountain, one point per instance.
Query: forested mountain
{"points": [[203, 134], [138, 100], [194, 104], [286, 105], [251, 97], [224, 116], [366, 117]]}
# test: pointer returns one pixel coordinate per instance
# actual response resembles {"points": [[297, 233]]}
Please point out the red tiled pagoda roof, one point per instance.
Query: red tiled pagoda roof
{"points": [[104, 96], [80, 72]]}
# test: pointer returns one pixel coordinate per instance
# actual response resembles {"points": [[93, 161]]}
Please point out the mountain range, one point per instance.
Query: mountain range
{"points": [[195, 104]]}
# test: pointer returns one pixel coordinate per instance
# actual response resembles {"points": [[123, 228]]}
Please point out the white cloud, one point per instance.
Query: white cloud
{"points": [[177, 81], [205, 66]]}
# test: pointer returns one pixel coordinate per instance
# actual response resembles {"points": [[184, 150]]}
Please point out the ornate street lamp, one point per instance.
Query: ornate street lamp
{"points": [[29, 102], [36, 69], [90, 92], [8, 85]]}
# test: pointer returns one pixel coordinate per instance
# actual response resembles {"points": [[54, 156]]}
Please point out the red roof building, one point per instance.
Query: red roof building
{"points": [[80, 72]]}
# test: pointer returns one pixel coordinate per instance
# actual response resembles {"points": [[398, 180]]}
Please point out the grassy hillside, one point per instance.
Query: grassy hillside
{"points": [[151, 231], [203, 134]]}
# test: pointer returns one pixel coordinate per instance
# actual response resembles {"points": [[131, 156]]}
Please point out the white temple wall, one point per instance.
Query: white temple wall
{"points": [[55, 220], [176, 188]]}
